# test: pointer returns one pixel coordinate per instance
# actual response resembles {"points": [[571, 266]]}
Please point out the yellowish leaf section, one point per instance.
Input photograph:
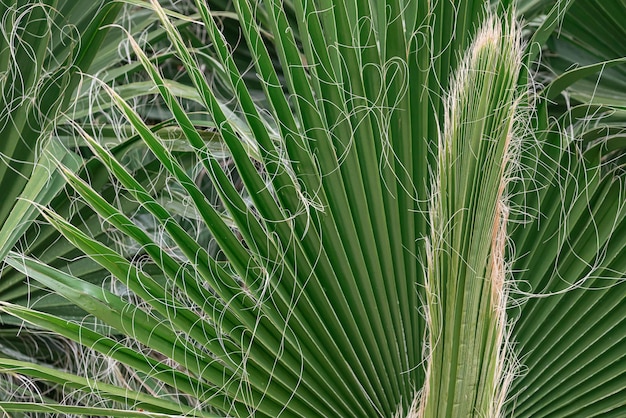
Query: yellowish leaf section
{"points": [[468, 361]]}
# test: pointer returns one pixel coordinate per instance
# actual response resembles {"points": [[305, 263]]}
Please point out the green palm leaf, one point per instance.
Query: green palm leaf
{"points": [[86, 44], [362, 216], [40, 77]]}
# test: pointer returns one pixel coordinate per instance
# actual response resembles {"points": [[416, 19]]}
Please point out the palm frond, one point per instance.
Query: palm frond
{"points": [[360, 214]]}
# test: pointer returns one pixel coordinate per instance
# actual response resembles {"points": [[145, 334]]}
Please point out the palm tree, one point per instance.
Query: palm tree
{"points": [[414, 219]]}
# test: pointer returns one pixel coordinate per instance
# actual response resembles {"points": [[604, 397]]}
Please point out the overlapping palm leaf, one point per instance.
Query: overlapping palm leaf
{"points": [[45, 46], [40, 65], [34, 135]]}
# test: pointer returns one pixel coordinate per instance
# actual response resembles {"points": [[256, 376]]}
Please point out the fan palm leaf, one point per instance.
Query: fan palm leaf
{"points": [[363, 265]]}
